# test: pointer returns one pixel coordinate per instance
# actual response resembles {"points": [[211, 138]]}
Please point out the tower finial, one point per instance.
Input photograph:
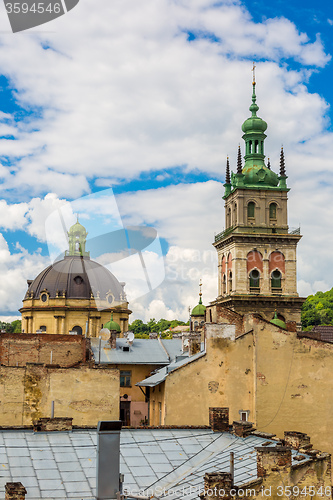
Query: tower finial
{"points": [[282, 164], [239, 161], [254, 73], [227, 172], [269, 164], [200, 292]]}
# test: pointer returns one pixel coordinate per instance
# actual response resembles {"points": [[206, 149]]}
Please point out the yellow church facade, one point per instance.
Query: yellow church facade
{"points": [[75, 294]]}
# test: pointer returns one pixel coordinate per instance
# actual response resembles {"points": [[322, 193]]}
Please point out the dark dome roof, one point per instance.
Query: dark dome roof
{"points": [[78, 277]]}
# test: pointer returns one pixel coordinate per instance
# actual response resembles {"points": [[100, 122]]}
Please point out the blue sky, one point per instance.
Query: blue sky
{"points": [[145, 104]]}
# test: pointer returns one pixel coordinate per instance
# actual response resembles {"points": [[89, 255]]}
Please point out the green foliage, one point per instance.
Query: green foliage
{"points": [[13, 327], [142, 330], [318, 310]]}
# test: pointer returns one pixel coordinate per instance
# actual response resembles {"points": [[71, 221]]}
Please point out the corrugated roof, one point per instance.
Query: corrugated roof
{"points": [[63, 464], [161, 374], [142, 351]]}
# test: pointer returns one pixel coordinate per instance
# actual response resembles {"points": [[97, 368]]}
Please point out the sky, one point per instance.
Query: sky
{"points": [[124, 112]]}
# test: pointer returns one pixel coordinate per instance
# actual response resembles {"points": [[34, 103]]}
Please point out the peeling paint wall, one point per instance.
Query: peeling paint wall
{"points": [[86, 394]]}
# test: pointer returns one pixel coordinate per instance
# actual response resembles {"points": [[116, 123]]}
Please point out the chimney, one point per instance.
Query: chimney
{"points": [[272, 459], [219, 419], [194, 343], [108, 460], [217, 485], [242, 428], [53, 424], [297, 440], [185, 341], [15, 491], [113, 339]]}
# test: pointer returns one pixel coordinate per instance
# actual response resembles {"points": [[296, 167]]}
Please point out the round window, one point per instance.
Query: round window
{"points": [[78, 280], [110, 299], [44, 297], [276, 274], [254, 274]]}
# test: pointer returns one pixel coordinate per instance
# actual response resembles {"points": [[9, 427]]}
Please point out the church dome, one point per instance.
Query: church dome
{"points": [[76, 277]]}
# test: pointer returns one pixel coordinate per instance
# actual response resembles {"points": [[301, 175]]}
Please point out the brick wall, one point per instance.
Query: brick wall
{"points": [[17, 349]]}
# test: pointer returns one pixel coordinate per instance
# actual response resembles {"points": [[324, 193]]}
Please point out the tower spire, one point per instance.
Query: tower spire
{"points": [[239, 161], [227, 172], [200, 292], [282, 164]]}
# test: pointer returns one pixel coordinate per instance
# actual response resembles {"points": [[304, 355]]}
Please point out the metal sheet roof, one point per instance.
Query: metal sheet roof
{"points": [[62, 465], [161, 374], [142, 351]]}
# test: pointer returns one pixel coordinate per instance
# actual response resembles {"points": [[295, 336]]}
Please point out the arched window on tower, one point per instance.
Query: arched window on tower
{"points": [[276, 277], [235, 215], [251, 210], [228, 217], [272, 211], [224, 285], [256, 147], [250, 147], [230, 282], [254, 277]]}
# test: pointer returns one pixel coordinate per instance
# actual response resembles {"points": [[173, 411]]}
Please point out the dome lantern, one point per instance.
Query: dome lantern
{"points": [[77, 237]]}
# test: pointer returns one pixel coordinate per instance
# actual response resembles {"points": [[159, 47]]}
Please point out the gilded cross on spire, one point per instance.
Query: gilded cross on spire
{"points": [[254, 73]]}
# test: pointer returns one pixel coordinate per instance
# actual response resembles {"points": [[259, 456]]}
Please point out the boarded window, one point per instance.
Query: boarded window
{"points": [[276, 279], [272, 211], [250, 209], [254, 278]]}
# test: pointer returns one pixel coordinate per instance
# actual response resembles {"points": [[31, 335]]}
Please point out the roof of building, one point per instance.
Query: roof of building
{"points": [[319, 332], [199, 309], [62, 465], [160, 375], [142, 351]]}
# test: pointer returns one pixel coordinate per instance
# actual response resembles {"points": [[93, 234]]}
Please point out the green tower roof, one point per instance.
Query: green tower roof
{"points": [[255, 174], [278, 322], [112, 325], [200, 309]]}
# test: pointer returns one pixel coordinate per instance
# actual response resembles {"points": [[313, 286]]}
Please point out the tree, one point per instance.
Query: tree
{"points": [[318, 310]]}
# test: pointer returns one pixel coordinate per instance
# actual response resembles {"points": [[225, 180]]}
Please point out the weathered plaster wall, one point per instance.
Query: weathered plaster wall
{"points": [[191, 390], [86, 394]]}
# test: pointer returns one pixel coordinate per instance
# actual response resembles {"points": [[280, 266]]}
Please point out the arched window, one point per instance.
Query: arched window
{"points": [[42, 328], [276, 279], [224, 285], [77, 329], [230, 282], [235, 214], [250, 209], [256, 146], [229, 217], [272, 211], [254, 278]]}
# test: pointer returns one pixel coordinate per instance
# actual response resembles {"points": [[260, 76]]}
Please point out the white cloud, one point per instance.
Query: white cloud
{"points": [[15, 269], [120, 90]]}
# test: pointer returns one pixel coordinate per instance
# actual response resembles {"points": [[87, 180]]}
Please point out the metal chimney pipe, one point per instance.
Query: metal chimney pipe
{"points": [[108, 460], [52, 409]]}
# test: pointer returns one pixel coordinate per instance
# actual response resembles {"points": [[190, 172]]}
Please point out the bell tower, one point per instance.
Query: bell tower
{"points": [[257, 251]]}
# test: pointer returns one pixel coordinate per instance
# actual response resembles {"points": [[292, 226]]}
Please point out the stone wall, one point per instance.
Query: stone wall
{"points": [[64, 350]]}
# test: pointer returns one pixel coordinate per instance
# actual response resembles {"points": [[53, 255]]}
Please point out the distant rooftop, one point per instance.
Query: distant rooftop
{"points": [[142, 351]]}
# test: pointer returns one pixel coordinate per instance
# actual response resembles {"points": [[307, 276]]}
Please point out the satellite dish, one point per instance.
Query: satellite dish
{"points": [[130, 338]]}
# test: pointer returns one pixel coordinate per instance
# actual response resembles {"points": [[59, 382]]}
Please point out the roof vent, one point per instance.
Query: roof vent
{"points": [[126, 348]]}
